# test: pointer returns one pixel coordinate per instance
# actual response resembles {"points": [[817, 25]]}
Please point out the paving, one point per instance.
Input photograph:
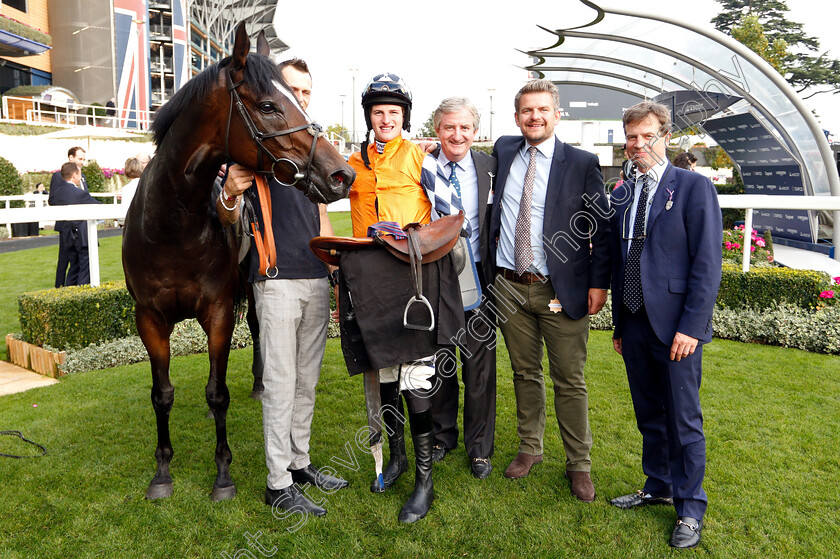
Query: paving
{"points": [[14, 379]]}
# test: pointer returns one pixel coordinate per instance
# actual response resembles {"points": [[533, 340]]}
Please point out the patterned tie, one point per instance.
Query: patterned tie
{"points": [[633, 297], [522, 253], [453, 179]]}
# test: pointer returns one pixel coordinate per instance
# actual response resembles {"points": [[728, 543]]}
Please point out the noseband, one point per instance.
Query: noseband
{"points": [[313, 128]]}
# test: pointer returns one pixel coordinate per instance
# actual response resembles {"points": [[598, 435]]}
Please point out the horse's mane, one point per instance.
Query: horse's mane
{"points": [[260, 71]]}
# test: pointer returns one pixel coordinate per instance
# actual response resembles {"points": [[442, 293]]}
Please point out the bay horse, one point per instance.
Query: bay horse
{"points": [[179, 261]]}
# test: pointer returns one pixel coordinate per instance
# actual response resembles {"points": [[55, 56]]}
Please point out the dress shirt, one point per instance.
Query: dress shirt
{"points": [[468, 180], [510, 206]]}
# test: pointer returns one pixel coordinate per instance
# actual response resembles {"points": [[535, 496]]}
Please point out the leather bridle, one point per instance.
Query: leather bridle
{"points": [[258, 136]]}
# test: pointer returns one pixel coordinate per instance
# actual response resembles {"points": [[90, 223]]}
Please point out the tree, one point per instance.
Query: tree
{"points": [[801, 68], [339, 130], [428, 129], [751, 34]]}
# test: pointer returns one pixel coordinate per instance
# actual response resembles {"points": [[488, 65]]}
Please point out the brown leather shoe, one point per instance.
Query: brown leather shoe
{"points": [[521, 465], [582, 486]]}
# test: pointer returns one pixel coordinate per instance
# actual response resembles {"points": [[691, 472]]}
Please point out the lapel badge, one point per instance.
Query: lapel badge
{"points": [[670, 203], [554, 305]]}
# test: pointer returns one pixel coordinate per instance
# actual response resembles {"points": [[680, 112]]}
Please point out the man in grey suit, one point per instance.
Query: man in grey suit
{"points": [[469, 174], [549, 235]]}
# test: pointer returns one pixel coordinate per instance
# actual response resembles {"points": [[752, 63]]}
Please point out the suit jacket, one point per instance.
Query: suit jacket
{"points": [[485, 170], [576, 214], [65, 193], [681, 257], [56, 178]]}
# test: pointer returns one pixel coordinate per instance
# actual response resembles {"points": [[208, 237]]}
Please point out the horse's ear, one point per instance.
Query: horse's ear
{"points": [[262, 44], [241, 46]]}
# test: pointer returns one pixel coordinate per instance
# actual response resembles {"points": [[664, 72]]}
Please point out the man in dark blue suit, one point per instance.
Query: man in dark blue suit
{"points": [[73, 235], [77, 156], [666, 240], [549, 238]]}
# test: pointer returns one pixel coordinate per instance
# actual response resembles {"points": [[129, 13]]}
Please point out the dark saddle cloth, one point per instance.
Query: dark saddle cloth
{"points": [[373, 290]]}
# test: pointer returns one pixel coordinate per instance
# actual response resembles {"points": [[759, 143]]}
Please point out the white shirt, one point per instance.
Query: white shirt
{"points": [[510, 206]]}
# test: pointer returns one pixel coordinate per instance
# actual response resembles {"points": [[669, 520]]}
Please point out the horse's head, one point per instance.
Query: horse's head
{"points": [[269, 132]]}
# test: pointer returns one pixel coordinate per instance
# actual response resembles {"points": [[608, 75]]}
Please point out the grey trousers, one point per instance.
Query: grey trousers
{"points": [[293, 317]]}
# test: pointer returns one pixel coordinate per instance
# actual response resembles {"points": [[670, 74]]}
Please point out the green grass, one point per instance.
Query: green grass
{"points": [[772, 478], [34, 269], [772, 427]]}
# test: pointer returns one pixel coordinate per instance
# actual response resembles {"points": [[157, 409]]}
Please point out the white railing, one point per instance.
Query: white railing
{"points": [[79, 212], [750, 202], [41, 200], [60, 113]]}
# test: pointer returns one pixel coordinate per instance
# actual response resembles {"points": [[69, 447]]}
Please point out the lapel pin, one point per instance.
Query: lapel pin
{"points": [[670, 203]]}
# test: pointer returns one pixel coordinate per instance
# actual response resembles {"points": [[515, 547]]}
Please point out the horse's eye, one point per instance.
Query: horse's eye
{"points": [[268, 107]]}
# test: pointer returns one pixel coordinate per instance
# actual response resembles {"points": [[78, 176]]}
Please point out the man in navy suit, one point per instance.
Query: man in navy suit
{"points": [[549, 236], [77, 156], [73, 236], [666, 240]]}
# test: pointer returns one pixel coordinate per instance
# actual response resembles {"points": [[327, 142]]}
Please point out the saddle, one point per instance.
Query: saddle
{"points": [[423, 244]]}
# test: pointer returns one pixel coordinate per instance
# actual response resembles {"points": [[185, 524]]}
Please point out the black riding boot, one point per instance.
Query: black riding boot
{"points": [[421, 500], [394, 418]]}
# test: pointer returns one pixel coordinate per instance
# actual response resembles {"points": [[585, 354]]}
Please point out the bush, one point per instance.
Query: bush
{"points": [[33, 178], [730, 215], [10, 182], [74, 317], [784, 324], [764, 288], [733, 247], [187, 338], [94, 176]]}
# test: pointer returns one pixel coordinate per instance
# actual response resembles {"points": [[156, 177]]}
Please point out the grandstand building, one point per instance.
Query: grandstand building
{"points": [[139, 52]]}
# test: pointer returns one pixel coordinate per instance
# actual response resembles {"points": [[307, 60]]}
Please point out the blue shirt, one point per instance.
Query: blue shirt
{"points": [[510, 206], [469, 193]]}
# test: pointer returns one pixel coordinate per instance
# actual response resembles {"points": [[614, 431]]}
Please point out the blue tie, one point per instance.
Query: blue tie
{"points": [[453, 179]]}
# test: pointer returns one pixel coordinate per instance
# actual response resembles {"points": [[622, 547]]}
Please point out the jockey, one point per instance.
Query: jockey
{"points": [[387, 188]]}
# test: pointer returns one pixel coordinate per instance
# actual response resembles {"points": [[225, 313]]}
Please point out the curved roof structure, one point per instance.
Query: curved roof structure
{"points": [[653, 57], [220, 18]]}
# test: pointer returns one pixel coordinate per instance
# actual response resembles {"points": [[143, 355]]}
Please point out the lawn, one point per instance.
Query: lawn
{"points": [[772, 426]]}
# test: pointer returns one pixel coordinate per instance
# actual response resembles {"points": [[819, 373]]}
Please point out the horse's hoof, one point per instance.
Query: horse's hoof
{"points": [[223, 493], [159, 490], [256, 394]]}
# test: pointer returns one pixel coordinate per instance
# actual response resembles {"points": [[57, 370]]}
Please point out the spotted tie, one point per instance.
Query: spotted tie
{"points": [[633, 298], [453, 179], [522, 253]]}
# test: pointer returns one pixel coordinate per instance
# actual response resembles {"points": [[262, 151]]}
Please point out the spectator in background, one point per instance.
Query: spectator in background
{"points": [[685, 160], [111, 112], [144, 159], [40, 189], [73, 235], [133, 170]]}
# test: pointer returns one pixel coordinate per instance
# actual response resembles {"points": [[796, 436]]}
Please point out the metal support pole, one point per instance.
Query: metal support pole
{"points": [[748, 217]]}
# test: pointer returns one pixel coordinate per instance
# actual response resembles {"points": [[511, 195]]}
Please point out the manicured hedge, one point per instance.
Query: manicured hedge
{"points": [[764, 288], [74, 317]]}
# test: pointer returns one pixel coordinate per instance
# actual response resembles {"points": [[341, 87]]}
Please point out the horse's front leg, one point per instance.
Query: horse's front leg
{"points": [[218, 324], [257, 361], [155, 336]]}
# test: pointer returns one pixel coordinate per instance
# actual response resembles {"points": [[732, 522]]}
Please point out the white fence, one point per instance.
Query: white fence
{"points": [[94, 212], [60, 113]]}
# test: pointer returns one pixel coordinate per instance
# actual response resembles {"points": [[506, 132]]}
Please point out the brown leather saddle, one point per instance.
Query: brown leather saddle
{"points": [[423, 244]]}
